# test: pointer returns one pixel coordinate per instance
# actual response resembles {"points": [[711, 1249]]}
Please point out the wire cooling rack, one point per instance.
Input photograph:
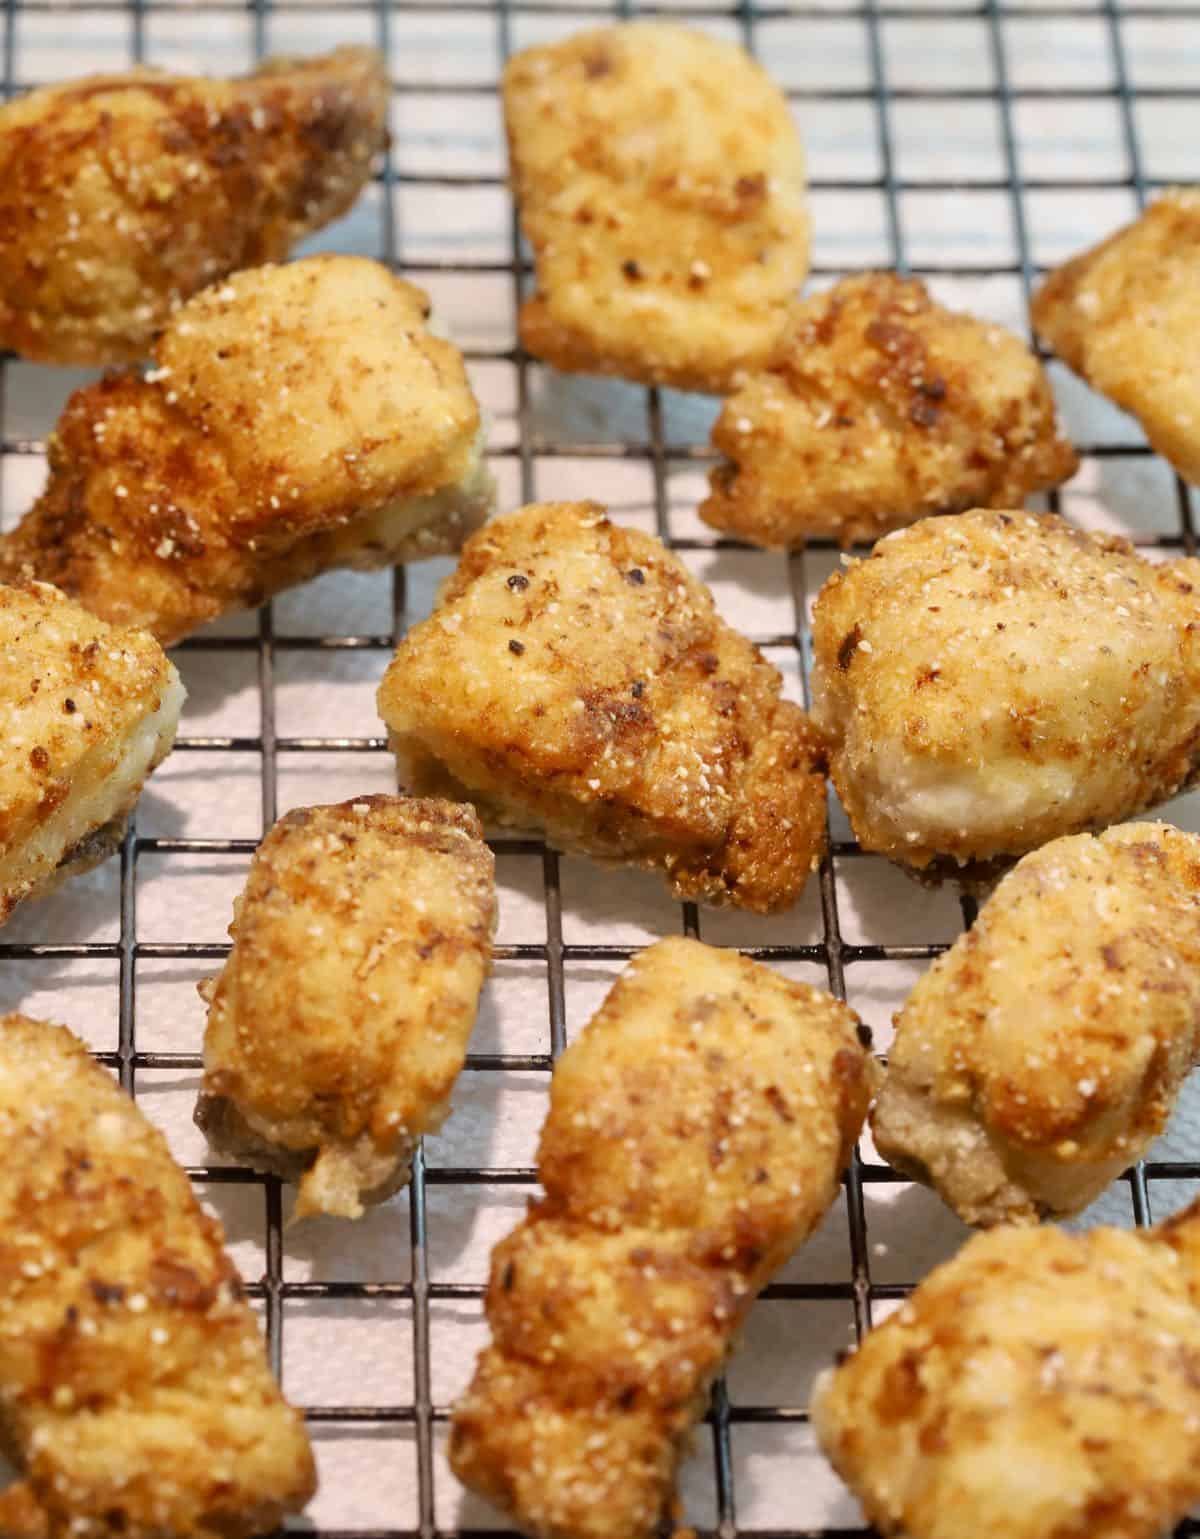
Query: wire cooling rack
{"points": [[973, 144]]}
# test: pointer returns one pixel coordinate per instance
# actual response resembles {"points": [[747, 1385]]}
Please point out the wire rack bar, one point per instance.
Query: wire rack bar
{"points": [[699, 9]]}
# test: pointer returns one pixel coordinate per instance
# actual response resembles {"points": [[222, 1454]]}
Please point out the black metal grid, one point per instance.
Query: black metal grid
{"points": [[835, 953]]}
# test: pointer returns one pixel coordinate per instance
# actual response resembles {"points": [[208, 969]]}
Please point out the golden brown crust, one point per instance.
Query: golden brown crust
{"points": [[123, 195], [86, 712], [1042, 1054], [135, 1392], [697, 1132], [1125, 315], [1041, 1383], [340, 1021], [660, 182], [991, 681], [880, 407], [575, 677], [299, 418]]}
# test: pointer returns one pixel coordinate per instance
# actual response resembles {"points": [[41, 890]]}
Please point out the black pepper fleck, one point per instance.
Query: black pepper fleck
{"points": [[70, 707], [636, 576], [516, 647], [518, 583], [637, 689], [632, 271]]}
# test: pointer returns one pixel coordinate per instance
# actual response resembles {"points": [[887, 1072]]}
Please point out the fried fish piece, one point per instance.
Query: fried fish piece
{"points": [[299, 418], [991, 681], [86, 712], [1042, 1054], [1041, 1385], [697, 1133], [1125, 314], [878, 408], [340, 1022], [660, 182], [575, 677], [123, 195], [135, 1394]]}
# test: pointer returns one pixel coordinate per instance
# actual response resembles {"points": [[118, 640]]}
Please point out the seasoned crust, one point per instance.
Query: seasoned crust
{"points": [[86, 712], [299, 418], [697, 1132], [660, 182], [1042, 1054], [1125, 314], [575, 677], [1040, 1383], [135, 1394], [991, 681], [340, 1021], [880, 407], [123, 195]]}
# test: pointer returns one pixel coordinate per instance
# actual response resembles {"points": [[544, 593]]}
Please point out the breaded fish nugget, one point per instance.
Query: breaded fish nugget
{"points": [[660, 182], [340, 1022], [1042, 1385], [991, 681], [697, 1133], [880, 407], [121, 196], [299, 418], [135, 1394], [1042, 1054], [86, 712], [576, 678], [1125, 316]]}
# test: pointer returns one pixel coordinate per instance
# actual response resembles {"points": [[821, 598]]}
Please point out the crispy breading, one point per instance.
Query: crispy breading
{"points": [[660, 182], [880, 407], [697, 1132], [1125, 315], [1039, 1384], [123, 195], [299, 418], [135, 1394], [1042, 1054], [576, 678], [990, 681], [339, 1023], [86, 712]]}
